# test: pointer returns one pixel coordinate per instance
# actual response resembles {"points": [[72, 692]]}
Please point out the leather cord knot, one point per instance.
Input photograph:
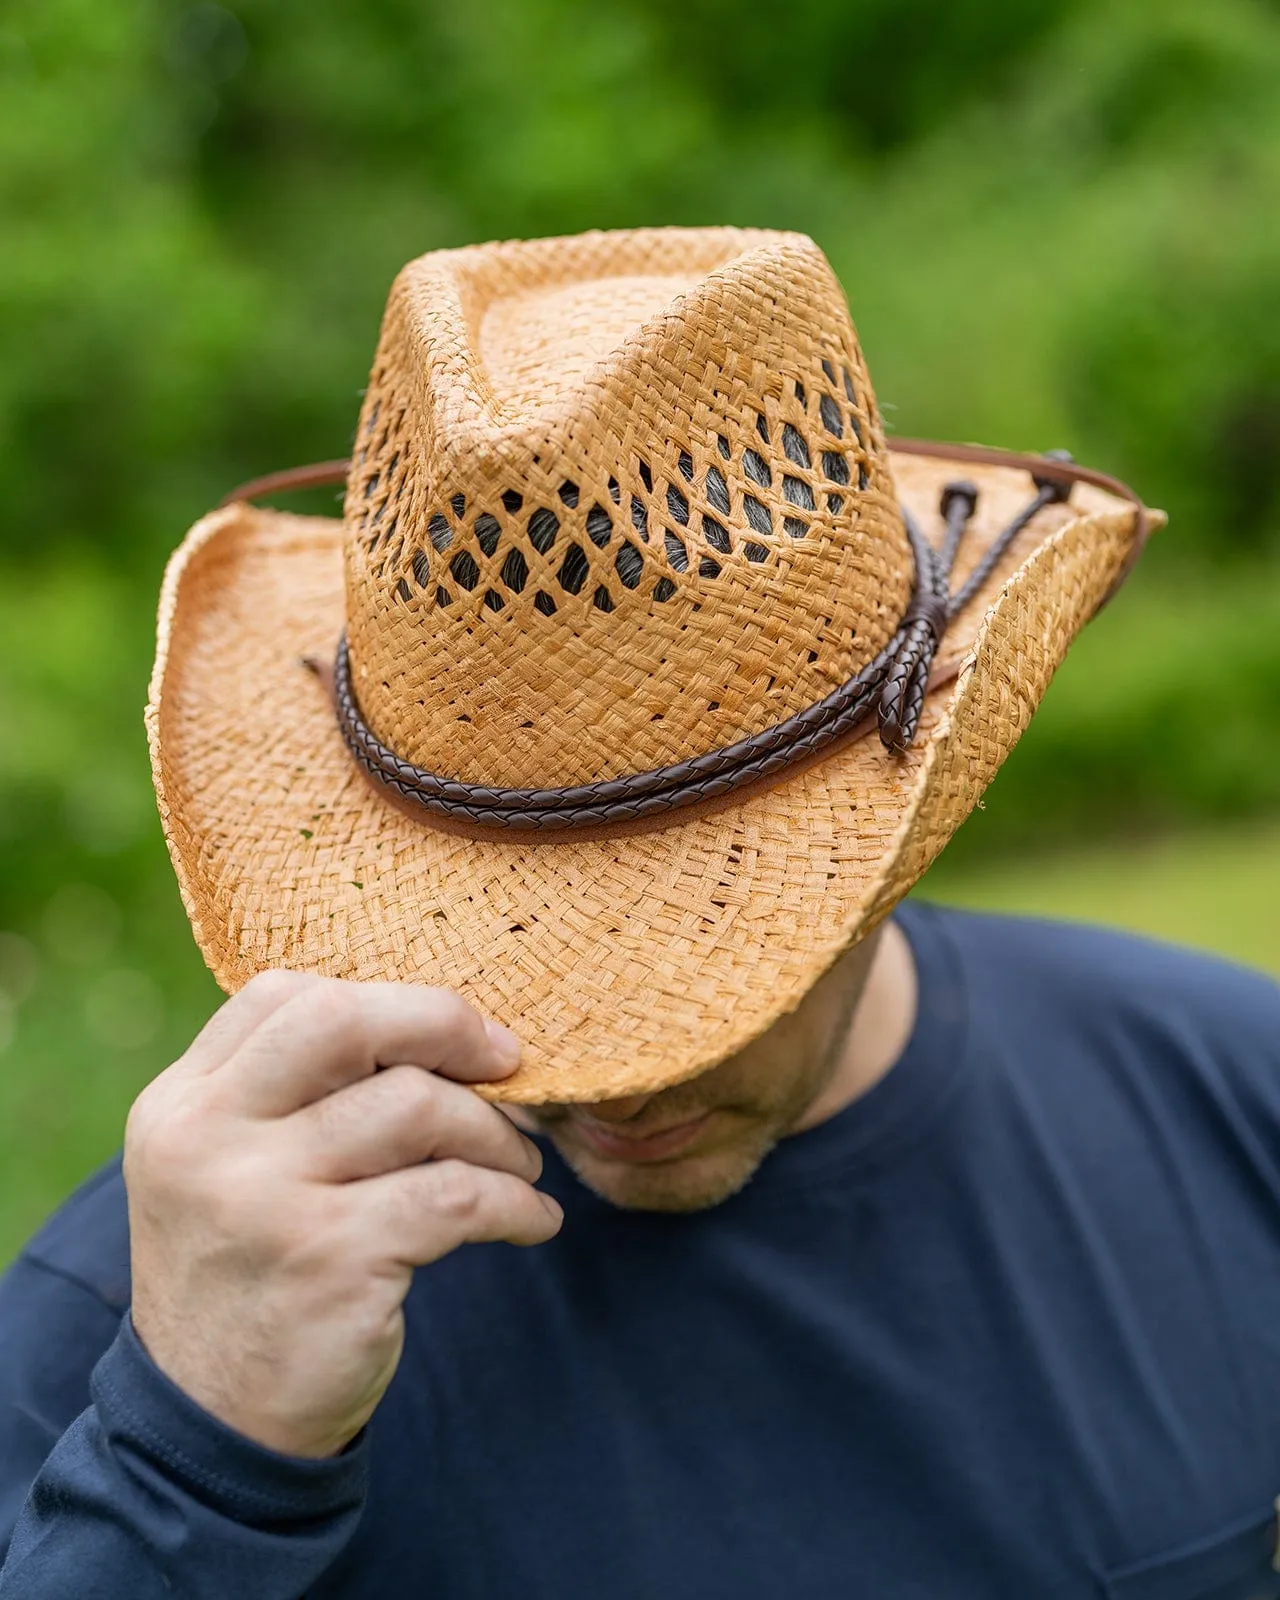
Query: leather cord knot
{"points": [[934, 610], [924, 622]]}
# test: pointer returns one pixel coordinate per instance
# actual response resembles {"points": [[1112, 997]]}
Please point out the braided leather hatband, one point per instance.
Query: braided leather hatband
{"points": [[888, 692]]}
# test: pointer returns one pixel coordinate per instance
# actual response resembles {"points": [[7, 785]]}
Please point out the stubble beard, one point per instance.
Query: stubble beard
{"points": [[701, 1179], [688, 1183], [759, 1097]]}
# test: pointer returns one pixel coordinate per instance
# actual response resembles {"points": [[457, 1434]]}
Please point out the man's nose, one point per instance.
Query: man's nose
{"points": [[618, 1110]]}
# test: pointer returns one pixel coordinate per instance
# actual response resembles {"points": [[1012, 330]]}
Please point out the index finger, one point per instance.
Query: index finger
{"points": [[236, 1018], [335, 1033]]}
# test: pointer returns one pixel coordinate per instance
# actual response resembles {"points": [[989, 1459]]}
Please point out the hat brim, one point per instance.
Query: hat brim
{"points": [[628, 963]]}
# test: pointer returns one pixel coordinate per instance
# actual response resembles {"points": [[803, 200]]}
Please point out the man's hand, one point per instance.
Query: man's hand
{"points": [[289, 1172]]}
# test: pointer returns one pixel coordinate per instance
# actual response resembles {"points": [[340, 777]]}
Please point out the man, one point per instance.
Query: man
{"points": [[928, 1256]]}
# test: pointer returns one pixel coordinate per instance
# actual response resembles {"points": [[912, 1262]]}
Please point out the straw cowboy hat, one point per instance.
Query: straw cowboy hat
{"points": [[634, 684]]}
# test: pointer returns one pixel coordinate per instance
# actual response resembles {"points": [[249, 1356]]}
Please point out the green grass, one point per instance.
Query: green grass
{"points": [[1212, 890], [102, 994], [96, 996]]}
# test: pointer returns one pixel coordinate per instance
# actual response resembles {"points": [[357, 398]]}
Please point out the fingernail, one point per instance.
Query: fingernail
{"points": [[535, 1160], [506, 1046], [552, 1205]]}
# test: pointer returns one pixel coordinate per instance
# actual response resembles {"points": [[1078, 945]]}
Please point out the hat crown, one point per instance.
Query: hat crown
{"points": [[616, 500]]}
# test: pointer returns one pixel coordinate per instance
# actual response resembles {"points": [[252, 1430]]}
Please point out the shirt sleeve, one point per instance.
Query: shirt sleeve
{"points": [[145, 1494]]}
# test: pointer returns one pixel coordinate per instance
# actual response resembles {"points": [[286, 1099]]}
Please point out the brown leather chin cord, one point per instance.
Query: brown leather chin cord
{"points": [[888, 692]]}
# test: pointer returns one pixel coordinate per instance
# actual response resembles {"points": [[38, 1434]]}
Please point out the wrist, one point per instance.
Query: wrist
{"points": [[208, 1386], [146, 1413]]}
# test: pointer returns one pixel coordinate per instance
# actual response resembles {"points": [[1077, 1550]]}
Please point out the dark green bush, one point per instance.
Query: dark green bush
{"points": [[1056, 224]]}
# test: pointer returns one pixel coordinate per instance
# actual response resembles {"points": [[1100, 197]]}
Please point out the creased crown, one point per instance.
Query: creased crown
{"points": [[616, 500]]}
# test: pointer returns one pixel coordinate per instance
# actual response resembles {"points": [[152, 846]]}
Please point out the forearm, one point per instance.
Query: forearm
{"points": [[147, 1495]]}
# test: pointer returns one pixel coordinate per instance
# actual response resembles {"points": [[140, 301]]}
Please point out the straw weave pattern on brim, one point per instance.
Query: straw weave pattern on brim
{"points": [[626, 964]]}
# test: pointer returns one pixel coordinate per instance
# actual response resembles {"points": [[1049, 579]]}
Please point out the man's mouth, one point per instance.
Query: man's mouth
{"points": [[615, 1143]]}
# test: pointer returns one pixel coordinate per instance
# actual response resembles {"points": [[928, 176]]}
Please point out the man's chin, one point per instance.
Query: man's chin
{"points": [[689, 1183]]}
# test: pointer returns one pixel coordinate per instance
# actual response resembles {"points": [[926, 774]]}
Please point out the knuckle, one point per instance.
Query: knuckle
{"points": [[417, 1094], [180, 1152], [451, 1014], [335, 1007], [405, 1101], [276, 985], [144, 1115], [332, 1002], [159, 1136], [162, 1176], [373, 1105], [334, 1116], [457, 1191]]}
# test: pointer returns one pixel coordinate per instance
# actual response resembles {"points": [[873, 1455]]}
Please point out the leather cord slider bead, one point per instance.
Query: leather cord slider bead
{"points": [[923, 624], [932, 610]]}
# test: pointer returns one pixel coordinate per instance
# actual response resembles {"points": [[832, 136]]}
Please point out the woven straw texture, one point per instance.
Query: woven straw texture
{"points": [[609, 506], [703, 387]]}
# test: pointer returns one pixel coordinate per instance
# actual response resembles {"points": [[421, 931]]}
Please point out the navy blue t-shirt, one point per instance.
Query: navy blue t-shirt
{"points": [[1006, 1328]]}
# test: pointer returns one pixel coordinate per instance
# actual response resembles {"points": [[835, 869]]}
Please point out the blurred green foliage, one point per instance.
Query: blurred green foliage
{"points": [[1056, 221]]}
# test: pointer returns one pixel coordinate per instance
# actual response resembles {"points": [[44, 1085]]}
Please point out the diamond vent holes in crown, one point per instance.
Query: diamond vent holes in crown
{"points": [[647, 516]]}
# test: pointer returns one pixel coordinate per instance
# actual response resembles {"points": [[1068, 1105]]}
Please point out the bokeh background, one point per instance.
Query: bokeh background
{"points": [[1058, 223]]}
